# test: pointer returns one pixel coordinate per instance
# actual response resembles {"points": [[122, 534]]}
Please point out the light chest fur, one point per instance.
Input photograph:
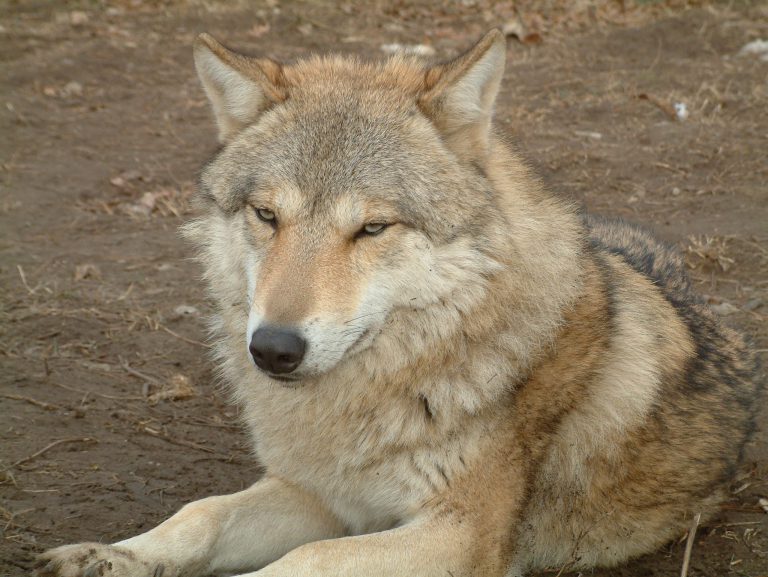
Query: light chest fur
{"points": [[374, 454]]}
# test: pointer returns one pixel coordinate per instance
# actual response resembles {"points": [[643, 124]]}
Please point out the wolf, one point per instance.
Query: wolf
{"points": [[446, 370]]}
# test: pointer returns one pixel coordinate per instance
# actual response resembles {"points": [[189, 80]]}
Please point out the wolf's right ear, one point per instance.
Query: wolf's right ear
{"points": [[239, 88]]}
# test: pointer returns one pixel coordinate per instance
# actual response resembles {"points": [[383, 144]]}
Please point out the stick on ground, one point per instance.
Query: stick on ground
{"points": [[51, 446], [689, 545], [31, 401]]}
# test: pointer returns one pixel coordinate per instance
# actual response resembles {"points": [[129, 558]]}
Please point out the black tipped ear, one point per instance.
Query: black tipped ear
{"points": [[460, 95], [239, 88]]}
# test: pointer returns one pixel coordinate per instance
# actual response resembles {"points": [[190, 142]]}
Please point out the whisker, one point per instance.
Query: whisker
{"points": [[365, 315]]}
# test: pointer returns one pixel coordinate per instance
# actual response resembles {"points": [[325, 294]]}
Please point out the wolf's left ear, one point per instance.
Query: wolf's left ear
{"points": [[239, 88], [460, 95]]}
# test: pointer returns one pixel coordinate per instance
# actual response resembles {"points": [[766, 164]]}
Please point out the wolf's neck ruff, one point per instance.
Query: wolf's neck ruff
{"points": [[499, 319]]}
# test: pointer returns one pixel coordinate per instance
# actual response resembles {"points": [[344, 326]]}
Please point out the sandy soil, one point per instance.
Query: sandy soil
{"points": [[110, 415]]}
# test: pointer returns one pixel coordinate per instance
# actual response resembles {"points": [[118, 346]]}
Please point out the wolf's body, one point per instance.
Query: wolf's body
{"points": [[488, 385]]}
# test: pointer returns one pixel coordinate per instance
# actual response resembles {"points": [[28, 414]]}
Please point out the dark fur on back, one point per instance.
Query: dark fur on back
{"points": [[722, 367], [643, 252]]}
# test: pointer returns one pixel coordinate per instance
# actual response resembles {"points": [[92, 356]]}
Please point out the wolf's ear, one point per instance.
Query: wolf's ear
{"points": [[239, 88], [460, 94]]}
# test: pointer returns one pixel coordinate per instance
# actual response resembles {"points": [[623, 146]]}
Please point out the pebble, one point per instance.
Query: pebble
{"points": [[78, 18], [724, 309], [185, 311], [753, 304], [415, 49], [73, 88]]}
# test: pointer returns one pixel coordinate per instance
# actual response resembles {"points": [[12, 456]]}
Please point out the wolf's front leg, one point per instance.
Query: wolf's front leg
{"points": [[227, 534], [449, 545]]}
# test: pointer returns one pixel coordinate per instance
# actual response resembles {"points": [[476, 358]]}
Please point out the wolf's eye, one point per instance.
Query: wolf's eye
{"points": [[372, 229], [266, 215]]}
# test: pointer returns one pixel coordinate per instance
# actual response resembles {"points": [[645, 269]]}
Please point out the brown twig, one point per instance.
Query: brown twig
{"points": [[104, 396], [665, 107], [30, 400], [51, 446], [181, 442], [129, 369], [738, 524], [11, 515], [24, 280], [689, 545], [185, 339], [742, 508], [199, 422]]}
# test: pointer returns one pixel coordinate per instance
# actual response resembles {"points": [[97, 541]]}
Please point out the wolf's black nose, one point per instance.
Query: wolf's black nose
{"points": [[277, 350]]}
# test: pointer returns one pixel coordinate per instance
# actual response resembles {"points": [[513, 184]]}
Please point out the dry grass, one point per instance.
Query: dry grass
{"points": [[709, 252], [167, 201]]}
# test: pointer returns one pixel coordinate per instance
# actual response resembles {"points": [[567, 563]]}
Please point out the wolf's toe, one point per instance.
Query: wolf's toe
{"points": [[98, 569], [46, 568], [93, 560]]}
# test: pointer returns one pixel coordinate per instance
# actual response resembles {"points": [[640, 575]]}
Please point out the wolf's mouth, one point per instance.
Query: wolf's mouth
{"points": [[293, 380], [284, 379]]}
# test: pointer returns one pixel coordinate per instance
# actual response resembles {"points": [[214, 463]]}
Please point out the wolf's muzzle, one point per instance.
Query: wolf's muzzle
{"points": [[277, 350]]}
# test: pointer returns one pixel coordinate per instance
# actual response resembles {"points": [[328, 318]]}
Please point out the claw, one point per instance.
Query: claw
{"points": [[46, 568], [159, 570], [96, 570]]}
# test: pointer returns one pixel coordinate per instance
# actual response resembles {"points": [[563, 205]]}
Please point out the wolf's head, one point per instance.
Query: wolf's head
{"points": [[346, 194]]}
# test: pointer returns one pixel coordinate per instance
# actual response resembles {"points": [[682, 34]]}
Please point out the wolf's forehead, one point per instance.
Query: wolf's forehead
{"points": [[333, 148], [352, 144]]}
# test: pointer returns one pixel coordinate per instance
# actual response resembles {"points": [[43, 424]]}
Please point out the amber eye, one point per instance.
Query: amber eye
{"points": [[372, 229], [266, 215]]}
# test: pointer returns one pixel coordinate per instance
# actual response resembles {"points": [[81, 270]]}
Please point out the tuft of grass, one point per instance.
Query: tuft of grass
{"points": [[709, 253]]}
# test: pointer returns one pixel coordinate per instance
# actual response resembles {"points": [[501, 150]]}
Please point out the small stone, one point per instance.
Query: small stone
{"points": [[414, 49], [724, 309], [513, 28], [131, 175], [73, 88], [259, 30], [78, 18], [393, 27], [185, 311], [753, 304], [756, 47], [88, 270], [117, 181], [589, 134], [145, 205]]}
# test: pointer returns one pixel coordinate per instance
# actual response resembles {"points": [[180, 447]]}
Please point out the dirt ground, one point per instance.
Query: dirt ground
{"points": [[110, 416]]}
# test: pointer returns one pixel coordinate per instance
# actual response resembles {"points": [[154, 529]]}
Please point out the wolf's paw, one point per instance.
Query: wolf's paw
{"points": [[94, 560]]}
